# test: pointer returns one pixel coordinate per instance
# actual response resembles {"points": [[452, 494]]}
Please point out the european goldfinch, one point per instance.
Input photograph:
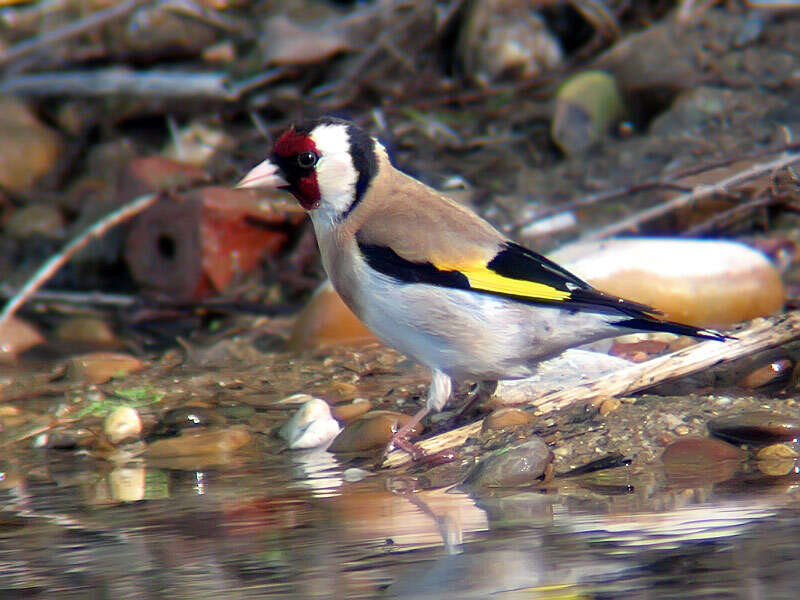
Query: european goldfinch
{"points": [[430, 277]]}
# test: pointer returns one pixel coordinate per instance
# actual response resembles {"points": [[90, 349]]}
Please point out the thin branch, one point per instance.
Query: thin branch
{"points": [[762, 334], [155, 83], [670, 180], [70, 30], [698, 193], [52, 265]]}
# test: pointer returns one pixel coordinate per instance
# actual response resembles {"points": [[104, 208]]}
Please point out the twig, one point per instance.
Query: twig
{"points": [[49, 268], [700, 192], [731, 216], [69, 31], [155, 83], [120, 80], [79, 298], [761, 335], [670, 180]]}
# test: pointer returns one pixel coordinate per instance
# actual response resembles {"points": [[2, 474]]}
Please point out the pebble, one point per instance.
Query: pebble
{"points": [[196, 143], [609, 405], [352, 410], [122, 424], [587, 108], [755, 427], [99, 367], [311, 426], [29, 149], [327, 321], [501, 40], [776, 371], [682, 430], [776, 451], [36, 220], [506, 417], [86, 330], [286, 43], [16, 337], [372, 430], [176, 420], [520, 465], [199, 442], [698, 461], [707, 283]]}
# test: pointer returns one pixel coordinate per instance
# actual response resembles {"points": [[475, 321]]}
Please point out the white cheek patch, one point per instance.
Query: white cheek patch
{"points": [[336, 174]]}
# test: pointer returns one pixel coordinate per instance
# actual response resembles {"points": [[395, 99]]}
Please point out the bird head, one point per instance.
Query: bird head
{"points": [[327, 164]]}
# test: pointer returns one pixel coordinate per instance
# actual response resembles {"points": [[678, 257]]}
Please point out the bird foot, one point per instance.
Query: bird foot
{"points": [[401, 442], [400, 438]]}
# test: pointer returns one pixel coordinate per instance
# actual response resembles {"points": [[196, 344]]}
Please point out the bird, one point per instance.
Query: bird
{"points": [[429, 276]]}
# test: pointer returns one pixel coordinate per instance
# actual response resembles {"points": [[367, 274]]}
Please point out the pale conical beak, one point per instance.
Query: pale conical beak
{"points": [[263, 175]]}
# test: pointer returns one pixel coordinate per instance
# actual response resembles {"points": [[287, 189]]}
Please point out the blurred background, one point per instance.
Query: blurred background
{"points": [[174, 324]]}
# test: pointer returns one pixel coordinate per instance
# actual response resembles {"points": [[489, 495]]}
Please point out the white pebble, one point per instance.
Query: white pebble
{"points": [[121, 424], [311, 426]]}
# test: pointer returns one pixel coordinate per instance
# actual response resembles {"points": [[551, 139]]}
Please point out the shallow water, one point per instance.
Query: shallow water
{"points": [[289, 525]]}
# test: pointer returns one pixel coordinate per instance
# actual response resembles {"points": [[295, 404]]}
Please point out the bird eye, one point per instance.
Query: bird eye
{"points": [[306, 160]]}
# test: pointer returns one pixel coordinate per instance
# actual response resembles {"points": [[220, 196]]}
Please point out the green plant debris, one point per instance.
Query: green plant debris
{"points": [[134, 397]]}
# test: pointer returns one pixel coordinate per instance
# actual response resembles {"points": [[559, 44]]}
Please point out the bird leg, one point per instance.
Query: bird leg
{"points": [[438, 394]]}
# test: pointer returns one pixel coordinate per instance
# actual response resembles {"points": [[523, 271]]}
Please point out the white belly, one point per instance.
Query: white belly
{"points": [[465, 334]]}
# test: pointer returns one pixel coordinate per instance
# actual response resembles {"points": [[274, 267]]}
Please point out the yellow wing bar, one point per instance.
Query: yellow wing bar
{"points": [[488, 281]]}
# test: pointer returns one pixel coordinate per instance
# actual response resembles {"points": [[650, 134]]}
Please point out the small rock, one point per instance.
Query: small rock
{"points": [[99, 367], [706, 283], [196, 143], [199, 442], [755, 427], [122, 424], [311, 426], [296, 399], [654, 58], [776, 451], [682, 430], [696, 461], [506, 417], [326, 321], [352, 410], [176, 420], [285, 43], [373, 430], [29, 149], [220, 53], [36, 219], [86, 330], [777, 371], [17, 336], [609, 405], [521, 465], [587, 107], [506, 40]]}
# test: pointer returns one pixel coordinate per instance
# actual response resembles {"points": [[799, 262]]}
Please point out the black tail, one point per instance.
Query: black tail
{"points": [[653, 324]]}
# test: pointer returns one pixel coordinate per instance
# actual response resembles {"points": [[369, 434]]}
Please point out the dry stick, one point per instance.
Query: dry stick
{"points": [[761, 335], [700, 192], [54, 263], [69, 31]]}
